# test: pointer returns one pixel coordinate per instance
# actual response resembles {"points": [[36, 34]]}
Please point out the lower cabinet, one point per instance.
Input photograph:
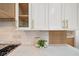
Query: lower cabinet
{"points": [[70, 41], [60, 37], [56, 37]]}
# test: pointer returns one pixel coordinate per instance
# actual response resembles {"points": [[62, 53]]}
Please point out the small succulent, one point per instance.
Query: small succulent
{"points": [[41, 43]]}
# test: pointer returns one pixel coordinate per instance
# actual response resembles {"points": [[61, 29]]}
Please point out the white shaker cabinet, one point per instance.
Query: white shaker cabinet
{"points": [[55, 16], [40, 16], [69, 14], [78, 16], [46, 16], [62, 16]]}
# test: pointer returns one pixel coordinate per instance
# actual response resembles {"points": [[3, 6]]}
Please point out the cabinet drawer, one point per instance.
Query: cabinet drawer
{"points": [[69, 41]]}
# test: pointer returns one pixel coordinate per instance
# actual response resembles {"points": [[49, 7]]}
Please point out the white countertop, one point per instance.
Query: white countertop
{"points": [[51, 50]]}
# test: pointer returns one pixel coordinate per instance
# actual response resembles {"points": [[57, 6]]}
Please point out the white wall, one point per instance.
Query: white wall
{"points": [[9, 34]]}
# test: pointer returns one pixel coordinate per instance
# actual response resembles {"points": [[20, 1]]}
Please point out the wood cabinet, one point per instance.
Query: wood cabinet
{"points": [[56, 37], [7, 10], [60, 37], [70, 41]]}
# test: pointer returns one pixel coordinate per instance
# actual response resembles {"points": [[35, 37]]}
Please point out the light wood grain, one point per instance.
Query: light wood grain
{"points": [[70, 41], [59, 37], [7, 10], [56, 37]]}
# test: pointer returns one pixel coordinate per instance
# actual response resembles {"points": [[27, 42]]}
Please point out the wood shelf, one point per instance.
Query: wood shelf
{"points": [[23, 16], [7, 19]]}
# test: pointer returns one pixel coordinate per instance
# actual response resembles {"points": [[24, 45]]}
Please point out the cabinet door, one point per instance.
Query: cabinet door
{"points": [[70, 41], [57, 37], [78, 16], [69, 13], [23, 18], [7, 10], [55, 16], [39, 16]]}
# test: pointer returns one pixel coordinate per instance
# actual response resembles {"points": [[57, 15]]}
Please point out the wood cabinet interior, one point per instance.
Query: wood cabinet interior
{"points": [[23, 21], [23, 14], [23, 8], [60, 37]]}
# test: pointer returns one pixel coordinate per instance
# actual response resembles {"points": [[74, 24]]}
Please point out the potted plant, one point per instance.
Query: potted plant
{"points": [[41, 43]]}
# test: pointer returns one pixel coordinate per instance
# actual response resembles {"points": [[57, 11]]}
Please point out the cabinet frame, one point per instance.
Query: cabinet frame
{"points": [[17, 18]]}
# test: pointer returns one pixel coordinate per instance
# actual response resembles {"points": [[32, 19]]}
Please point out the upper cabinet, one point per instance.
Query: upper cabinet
{"points": [[7, 10], [78, 16], [46, 16], [69, 15], [62, 16], [54, 16], [32, 16], [23, 16], [39, 16]]}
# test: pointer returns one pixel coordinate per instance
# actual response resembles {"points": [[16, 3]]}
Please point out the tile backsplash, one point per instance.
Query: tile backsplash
{"points": [[9, 34]]}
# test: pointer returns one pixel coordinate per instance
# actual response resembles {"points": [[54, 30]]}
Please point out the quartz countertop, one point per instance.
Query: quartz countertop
{"points": [[51, 50]]}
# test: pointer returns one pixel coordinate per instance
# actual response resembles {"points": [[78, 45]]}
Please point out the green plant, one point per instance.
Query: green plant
{"points": [[41, 43]]}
